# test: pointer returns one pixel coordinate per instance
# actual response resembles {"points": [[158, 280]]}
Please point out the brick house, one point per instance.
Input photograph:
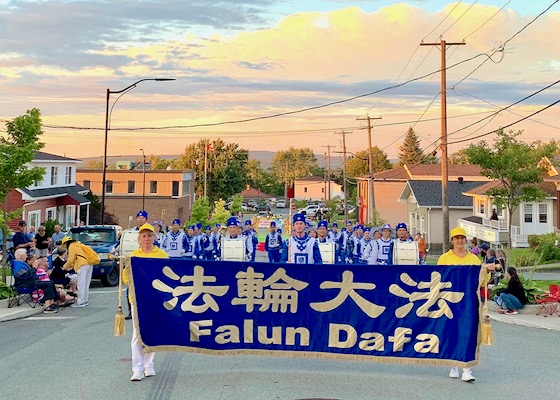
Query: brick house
{"points": [[56, 196], [166, 194]]}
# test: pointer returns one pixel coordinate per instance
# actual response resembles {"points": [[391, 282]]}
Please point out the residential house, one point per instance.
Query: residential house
{"points": [[165, 195], [255, 194], [422, 202], [316, 188], [56, 196], [388, 186], [530, 218]]}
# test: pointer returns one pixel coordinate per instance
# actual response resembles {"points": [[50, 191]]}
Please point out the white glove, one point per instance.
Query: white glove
{"points": [[200, 257], [194, 257]]}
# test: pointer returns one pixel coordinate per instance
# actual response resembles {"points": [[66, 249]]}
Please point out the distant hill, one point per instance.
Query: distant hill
{"points": [[265, 157]]}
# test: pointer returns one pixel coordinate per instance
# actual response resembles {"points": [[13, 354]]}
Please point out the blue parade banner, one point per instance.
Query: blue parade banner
{"points": [[420, 314]]}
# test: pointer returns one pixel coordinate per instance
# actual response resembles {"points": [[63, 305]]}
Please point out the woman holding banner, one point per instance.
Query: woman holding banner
{"points": [[459, 255], [142, 363]]}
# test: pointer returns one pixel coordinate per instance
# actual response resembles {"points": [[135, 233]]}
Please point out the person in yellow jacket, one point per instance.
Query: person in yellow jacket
{"points": [[142, 362], [77, 261], [459, 255]]}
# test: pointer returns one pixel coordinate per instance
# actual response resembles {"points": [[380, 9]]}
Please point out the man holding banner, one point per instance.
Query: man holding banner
{"points": [[302, 248]]}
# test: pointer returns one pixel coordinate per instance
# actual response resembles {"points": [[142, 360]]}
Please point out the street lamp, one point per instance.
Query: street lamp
{"points": [[109, 92], [143, 178]]}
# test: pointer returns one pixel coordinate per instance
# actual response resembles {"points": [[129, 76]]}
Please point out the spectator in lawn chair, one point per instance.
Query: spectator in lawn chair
{"points": [[26, 277]]}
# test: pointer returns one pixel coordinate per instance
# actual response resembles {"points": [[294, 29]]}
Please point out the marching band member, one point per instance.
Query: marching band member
{"points": [[273, 244], [174, 242], [402, 236], [366, 245], [199, 238], [301, 248], [327, 246], [217, 235], [233, 251], [192, 250], [209, 243], [159, 230], [336, 237], [354, 246], [346, 234], [380, 253], [251, 237]]}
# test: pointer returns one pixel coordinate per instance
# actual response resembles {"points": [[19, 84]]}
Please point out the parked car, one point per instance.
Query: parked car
{"points": [[243, 206], [252, 203], [340, 209], [310, 210], [103, 240], [281, 203]]}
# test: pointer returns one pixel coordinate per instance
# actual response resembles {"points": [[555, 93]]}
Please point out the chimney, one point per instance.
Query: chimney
{"points": [[248, 187]]}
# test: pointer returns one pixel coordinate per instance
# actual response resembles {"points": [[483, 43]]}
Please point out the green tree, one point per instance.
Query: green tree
{"points": [[200, 211], [220, 215], [17, 150], [410, 151], [236, 201], [160, 163], [459, 158], [358, 166], [516, 165], [293, 164], [93, 164], [226, 167], [95, 212]]}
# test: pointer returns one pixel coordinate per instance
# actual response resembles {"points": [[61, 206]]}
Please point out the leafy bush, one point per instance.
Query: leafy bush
{"points": [[5, 291], [531, 288], [533, 241]]}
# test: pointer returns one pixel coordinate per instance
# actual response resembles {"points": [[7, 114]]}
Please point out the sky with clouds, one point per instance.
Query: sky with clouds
{"points": [[244, 59]]}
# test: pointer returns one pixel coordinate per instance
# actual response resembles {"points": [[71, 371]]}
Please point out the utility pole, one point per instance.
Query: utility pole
{"points": [[444, 173], [328, 170], [206, 142], [325, 176], [344, 133], [371, 195]]}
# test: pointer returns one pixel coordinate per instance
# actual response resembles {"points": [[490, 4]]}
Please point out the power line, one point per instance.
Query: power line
{"points": [[457, 20], [507, 126], [488, 20]]}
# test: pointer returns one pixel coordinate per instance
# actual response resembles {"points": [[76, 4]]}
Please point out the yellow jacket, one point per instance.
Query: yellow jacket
{"points": [[76, 258]]}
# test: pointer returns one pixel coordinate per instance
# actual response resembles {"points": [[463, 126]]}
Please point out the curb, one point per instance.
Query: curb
{"points": [[18, 312], [527, 317]]}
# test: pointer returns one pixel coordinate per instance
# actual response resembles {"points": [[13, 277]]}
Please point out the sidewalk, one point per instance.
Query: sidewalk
{"points": [[527, 317], [17, 312]]}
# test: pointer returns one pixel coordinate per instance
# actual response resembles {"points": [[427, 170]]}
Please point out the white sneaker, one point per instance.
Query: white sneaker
{"points": [[454, 373], [78, 305], [137, 376], [149, 372], [467, 375]]}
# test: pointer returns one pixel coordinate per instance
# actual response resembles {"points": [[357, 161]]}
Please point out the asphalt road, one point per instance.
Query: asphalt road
{"points": [[74, 355]]}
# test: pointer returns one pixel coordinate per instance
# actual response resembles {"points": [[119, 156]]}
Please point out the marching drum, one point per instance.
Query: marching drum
{"points": [[327, 252], [405, 253], [233, 250]]}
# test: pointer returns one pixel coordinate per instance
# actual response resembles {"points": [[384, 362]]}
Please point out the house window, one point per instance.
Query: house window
{"points": [[87, 184], [109, 187], [34, 219], [481, 206], [50, 213], [543, 214], [175, 189], [70, 215], [304, 190], [186, 188], [153, 187], [54, 175], [528, 213], [131, 187], [68, 176], [422, 226], [322, 190]]}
